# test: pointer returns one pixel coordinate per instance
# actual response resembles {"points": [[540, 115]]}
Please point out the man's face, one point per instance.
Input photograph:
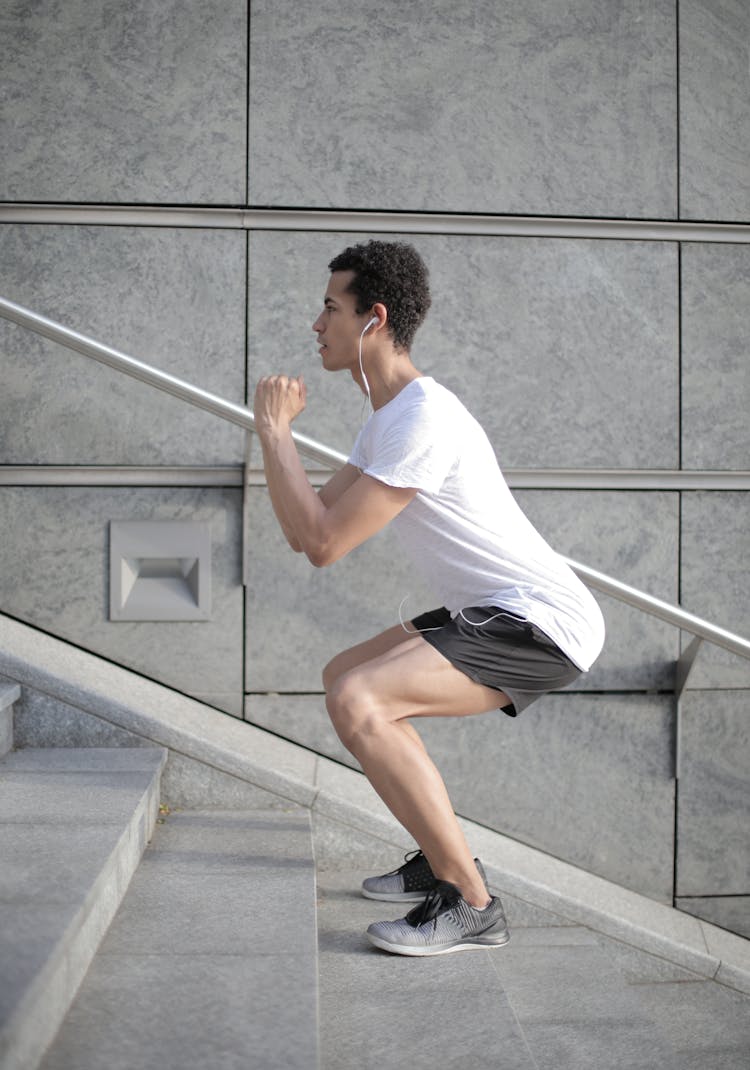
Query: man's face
{"points": [[339, 326]]}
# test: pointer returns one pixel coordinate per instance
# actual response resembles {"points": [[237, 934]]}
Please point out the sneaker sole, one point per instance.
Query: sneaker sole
{"points": [[395, 897], [475, 943]]}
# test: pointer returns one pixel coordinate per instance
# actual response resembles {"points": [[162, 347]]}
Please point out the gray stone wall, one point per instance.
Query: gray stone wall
{"points": [[587, 353]]}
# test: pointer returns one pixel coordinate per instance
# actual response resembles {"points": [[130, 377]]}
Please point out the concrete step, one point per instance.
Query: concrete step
{"points": [[553, 999], [559, 996], [211, 961], [73, 826], [9, 693]]}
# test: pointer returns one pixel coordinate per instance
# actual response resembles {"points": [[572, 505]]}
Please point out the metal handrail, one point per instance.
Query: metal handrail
{"points": [[243, 417], [146, 373]]}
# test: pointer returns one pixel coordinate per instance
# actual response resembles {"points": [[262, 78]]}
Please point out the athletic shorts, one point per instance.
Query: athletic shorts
{"points": [[501, 650]]}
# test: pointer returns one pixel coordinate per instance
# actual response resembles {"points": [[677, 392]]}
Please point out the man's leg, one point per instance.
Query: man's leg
{"points": [[369, 702], [364, 652]]}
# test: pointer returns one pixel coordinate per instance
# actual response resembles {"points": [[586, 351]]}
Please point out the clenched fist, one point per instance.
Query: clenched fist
{"points": [[278, 400]]}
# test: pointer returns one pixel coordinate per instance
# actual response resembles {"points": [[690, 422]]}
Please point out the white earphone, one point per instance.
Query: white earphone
{"points": [[365, 329]]}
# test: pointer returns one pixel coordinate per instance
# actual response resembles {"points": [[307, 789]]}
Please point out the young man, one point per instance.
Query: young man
{"points": [[515, 621]]}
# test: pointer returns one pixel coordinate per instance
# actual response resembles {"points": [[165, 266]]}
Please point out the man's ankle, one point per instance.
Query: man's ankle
{"points": [[477, 897], [478, 902]]}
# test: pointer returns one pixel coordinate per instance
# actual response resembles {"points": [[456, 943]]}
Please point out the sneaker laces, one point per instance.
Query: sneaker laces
{"points": [[411, 857], [442, 897]]}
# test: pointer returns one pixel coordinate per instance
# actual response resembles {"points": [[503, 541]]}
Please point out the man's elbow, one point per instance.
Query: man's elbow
{"points": [[322, 554], [319, 558]]}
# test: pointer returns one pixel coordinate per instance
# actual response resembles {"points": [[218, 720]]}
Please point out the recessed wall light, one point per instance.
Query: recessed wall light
{"points": [[159, 570]]}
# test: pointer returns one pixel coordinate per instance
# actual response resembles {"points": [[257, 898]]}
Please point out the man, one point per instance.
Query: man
{"points": [[515, 621]]}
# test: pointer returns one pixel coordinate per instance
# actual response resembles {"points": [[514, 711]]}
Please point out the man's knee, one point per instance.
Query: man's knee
{"points": [[335, 668], [352, 709], [341, 705], [330, 674]]}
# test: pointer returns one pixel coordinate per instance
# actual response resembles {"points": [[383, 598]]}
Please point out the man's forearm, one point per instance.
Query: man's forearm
{"points": [[277, 502], [294, 500]]}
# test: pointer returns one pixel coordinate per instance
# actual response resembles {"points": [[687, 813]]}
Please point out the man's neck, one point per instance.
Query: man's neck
{"points": [[388, 372]]}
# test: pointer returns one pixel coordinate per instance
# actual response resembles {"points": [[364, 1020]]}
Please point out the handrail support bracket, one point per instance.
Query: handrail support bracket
{"points": [[246, 509], [685, 665], [683, 669]]}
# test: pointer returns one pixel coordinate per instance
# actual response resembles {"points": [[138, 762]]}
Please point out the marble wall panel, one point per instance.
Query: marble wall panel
{"points": [[54, 573], [713, 813], [715, 348], [587, 778], [566, 351], [728, 912], [715, 539], [299, 617], [543, 107], [123, 103], [714, 109], [172, 298]]}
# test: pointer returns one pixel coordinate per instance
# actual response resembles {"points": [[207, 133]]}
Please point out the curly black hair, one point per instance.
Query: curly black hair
{"points": [[394, 274]]}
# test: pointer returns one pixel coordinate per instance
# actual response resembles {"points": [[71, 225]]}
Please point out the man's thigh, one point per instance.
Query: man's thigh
{"points": [[413, 679], [372, 648]]}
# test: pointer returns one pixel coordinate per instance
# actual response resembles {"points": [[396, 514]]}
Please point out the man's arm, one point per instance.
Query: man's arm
{"points": [[351, 507], [277, 503], [339, 482], [329, 493], [273, 490]]}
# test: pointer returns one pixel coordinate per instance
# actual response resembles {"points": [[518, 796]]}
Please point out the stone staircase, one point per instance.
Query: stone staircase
{"points": [[159, 870], [73, 826], [194, 933], [212, 954]]}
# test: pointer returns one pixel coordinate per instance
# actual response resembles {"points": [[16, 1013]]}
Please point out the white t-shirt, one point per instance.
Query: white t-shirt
{"points": [[464, 530]]}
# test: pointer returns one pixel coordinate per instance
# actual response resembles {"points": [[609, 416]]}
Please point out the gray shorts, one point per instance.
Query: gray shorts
{"points": [[501, 650]]}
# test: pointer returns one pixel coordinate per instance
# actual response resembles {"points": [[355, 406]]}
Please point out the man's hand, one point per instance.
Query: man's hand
{"points": [[278, 400]]}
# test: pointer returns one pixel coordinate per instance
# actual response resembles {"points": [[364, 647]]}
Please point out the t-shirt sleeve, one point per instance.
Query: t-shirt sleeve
{"points": [[357, 455], [415, 450]]}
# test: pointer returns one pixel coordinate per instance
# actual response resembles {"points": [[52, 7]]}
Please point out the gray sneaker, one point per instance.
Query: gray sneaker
{"points": [[410, 883], [444, 922]]}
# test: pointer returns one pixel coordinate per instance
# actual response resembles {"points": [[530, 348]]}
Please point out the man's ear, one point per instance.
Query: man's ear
{"points": [[379, 315]]}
